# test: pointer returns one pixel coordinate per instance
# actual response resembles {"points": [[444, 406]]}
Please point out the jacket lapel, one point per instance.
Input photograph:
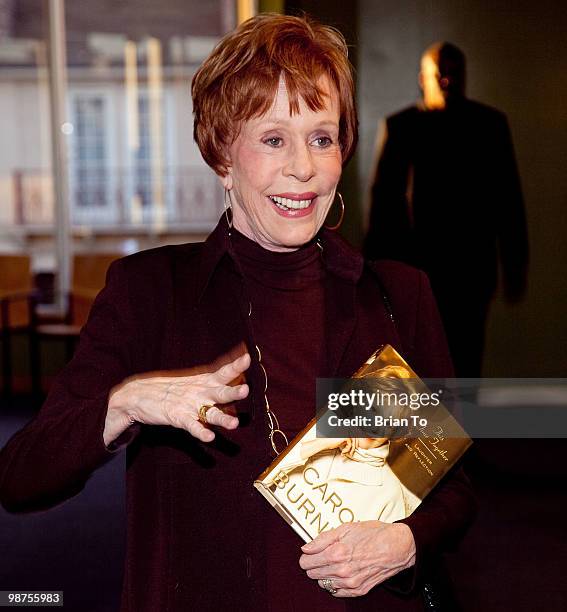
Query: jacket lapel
{"points": [[357, 321], [340, 319], [344, 268]]}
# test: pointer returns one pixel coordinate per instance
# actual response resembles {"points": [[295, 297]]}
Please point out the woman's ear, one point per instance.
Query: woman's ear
{"points": [[226, 178]]}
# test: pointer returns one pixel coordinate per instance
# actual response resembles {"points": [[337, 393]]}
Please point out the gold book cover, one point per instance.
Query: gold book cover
{"points": [[317, 484]]}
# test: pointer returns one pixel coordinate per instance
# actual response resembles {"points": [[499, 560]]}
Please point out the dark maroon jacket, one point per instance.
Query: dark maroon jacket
{"points": [[195, 535]]}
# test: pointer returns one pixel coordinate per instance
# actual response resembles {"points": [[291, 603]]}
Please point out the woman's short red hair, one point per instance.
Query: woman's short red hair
{"points": [[239, 80]]}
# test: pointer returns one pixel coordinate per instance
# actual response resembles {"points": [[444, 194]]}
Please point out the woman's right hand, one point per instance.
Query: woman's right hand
{"points": [[175, 401]]}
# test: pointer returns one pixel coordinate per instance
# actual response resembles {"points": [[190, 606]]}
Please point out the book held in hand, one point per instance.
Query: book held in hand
{"points": [[370, 462]]}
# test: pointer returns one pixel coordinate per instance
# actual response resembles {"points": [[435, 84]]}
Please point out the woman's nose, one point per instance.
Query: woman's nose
{"points": [[300, 163]]}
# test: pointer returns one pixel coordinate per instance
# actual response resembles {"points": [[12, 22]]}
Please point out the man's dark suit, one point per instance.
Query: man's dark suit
{"points": [[446, 197]]}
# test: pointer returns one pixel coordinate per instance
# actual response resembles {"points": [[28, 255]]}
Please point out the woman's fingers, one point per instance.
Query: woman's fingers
{"points": [[232, 370], [340, 572], [225, 394], [318, 545], [176, 400], [217, 417], [214, 415], [199, 431]]}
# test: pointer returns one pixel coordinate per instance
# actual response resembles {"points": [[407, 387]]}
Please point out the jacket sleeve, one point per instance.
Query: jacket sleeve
{"points": [[389, 225], [444, 516], [52, 457]]}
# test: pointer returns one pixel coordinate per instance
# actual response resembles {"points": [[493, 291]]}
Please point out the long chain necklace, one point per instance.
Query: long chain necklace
{"points": [[277, 437]]}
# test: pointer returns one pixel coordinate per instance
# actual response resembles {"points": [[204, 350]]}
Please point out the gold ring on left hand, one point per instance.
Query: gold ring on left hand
{"points": [[202, 413], [327, 584]]}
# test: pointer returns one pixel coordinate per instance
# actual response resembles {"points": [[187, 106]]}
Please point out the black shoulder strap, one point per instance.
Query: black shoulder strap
{"points": [[387, 304], [385, 298]]}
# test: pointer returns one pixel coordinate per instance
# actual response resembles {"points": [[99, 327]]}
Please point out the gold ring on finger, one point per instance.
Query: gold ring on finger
{"points": [[202, 413]]}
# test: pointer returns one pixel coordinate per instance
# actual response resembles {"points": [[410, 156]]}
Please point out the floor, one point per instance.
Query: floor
{"points": [[77, 547]]}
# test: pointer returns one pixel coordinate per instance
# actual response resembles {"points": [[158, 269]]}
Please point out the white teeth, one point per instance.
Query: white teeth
{"points": [[286, 203]]}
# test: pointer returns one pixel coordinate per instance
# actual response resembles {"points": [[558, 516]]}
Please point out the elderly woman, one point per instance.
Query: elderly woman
{"points": [[159, 366]]}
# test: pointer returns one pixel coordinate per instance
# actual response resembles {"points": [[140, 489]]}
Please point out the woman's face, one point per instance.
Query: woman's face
{"points": [[284, 172]]}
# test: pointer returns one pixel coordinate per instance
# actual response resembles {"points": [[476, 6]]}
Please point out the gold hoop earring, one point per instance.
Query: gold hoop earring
{"points": [[227, 207], [332, 228]]}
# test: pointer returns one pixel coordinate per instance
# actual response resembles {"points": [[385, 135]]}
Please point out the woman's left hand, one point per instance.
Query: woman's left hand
{"points": [[358, 556]]}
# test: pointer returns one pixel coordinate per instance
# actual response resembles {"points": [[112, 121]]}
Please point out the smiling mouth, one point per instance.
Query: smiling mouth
{"points": [[287, 204]]}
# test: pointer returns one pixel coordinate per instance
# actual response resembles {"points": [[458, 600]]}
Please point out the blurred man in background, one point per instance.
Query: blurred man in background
{"points": [[446, 198]]}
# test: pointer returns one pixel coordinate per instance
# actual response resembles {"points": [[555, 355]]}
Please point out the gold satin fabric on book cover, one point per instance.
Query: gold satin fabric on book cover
{"points": [[317, 484]]}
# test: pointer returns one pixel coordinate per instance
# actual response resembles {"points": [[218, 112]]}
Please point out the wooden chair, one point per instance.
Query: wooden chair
{"points": [[88, 278], [16, 308]]}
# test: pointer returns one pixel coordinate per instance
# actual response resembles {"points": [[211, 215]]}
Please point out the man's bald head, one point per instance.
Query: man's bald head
{"points": [[442, 75]]}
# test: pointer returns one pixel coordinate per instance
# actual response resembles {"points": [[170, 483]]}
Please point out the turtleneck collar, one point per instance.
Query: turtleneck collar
{"points": [[338, 257], [292, 270]]}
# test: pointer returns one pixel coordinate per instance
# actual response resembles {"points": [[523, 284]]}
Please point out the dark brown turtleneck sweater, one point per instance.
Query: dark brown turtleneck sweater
{"points": [[287, 296]]}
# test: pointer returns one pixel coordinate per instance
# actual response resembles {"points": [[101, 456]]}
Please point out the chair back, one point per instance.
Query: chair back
{"points": [[16, 286], [89, 274]]}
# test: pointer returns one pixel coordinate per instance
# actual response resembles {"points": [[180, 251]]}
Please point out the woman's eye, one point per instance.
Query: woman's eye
{"points": [[323, 141], [274, 141]]}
